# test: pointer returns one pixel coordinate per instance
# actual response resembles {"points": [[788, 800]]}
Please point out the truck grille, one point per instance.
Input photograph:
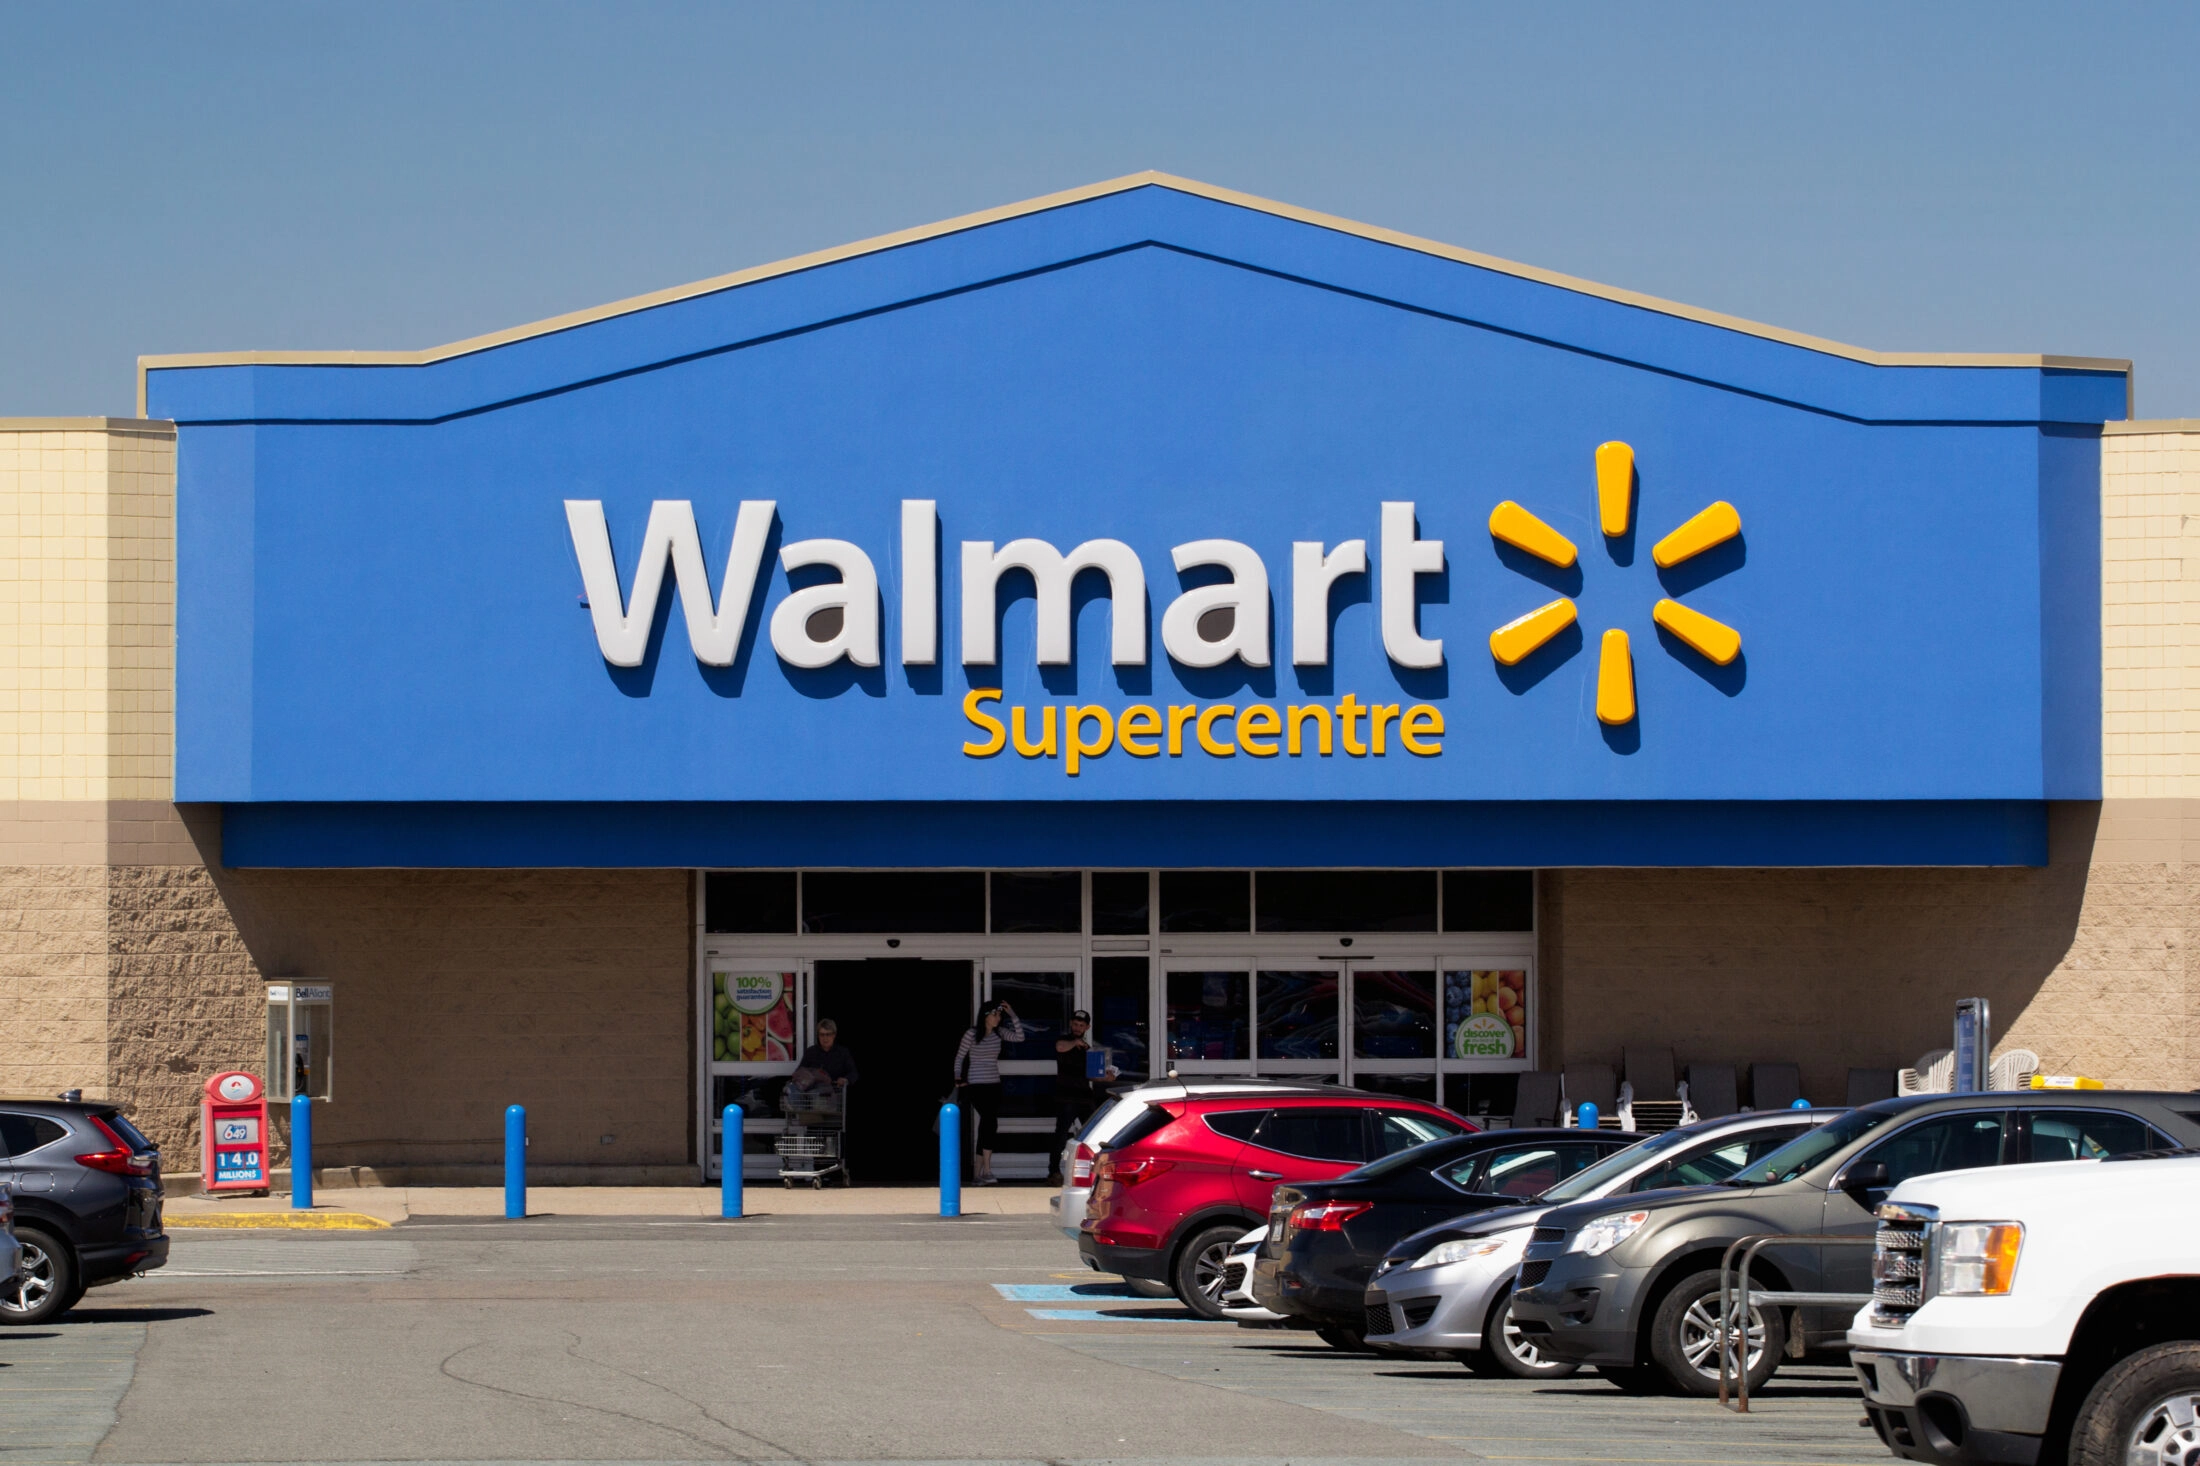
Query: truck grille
{"points": [[1378, 1319], [1904, 1241]]}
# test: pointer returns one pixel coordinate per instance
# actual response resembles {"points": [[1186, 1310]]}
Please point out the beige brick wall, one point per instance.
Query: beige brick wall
{"points": [[457, 993], [2086, 961], [87, 609], [2150, 610]]}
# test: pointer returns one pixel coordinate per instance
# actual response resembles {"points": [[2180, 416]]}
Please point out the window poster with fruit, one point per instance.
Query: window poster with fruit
{"points": [[1487, 1014], [753, 1017]]}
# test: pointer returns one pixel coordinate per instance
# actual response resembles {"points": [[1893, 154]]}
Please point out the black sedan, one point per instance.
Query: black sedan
{"points": [[1325, 1238]]}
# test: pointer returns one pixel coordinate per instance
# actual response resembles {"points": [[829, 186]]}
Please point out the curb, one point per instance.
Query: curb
{"points": [[323, 1221]]}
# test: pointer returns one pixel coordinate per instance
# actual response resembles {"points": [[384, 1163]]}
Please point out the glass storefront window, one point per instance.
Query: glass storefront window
{"points": [[1346, 900], [1409, 1086], [1119, 999], [1206, 901], [1298, 1015], [1485, 1013], [1393, 1014], [1208, 1015], [1481, 1094], [1038, 901], [1489, 900], [1120, 903], [739, 901], [1042, 1001], [837, 901]]}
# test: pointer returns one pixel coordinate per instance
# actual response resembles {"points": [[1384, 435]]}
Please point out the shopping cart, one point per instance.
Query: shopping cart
{"points": [[813, 1146]]}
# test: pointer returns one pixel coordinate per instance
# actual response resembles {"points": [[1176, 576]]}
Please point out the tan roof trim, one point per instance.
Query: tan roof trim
{"points": [[1080, 195], [138, 426], [2154, 425]]}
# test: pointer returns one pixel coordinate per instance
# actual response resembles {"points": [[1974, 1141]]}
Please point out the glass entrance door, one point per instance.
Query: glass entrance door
{"points": [[900, 1019], [1043, 992]]}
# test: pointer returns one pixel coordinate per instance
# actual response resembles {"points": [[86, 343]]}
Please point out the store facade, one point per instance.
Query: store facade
{"points": [[1316, 651]]}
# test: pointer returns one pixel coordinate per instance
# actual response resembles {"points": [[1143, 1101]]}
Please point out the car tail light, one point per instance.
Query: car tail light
{"points": [[1327, 1216], [121, 1161], [1131, 1173], [1080, 1166]]}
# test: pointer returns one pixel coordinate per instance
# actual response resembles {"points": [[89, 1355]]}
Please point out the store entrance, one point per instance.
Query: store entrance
{"points": [[901, 1019]]}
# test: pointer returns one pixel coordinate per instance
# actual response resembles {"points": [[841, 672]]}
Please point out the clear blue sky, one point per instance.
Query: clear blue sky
{"points": [[1910, 177]]}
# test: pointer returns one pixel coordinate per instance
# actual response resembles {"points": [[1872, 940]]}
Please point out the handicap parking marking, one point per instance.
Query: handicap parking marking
{"points": [[1116, 1315], [1062, 1292]]}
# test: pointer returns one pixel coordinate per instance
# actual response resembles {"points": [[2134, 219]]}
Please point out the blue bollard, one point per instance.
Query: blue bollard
{"points": [[1586, 1116], [1801, 1104], [515, 1162], [729, 1163], [301, 1153], [951, 1161]]}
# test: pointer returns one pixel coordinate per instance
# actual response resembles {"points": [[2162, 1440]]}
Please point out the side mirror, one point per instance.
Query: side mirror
{"points": [[1869, 1176]]}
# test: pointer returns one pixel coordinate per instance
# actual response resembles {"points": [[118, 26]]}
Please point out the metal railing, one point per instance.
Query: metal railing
{"points": [[1734, 1301]]}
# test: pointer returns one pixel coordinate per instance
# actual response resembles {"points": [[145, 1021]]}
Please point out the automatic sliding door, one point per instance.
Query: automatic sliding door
{"points": [[1043, 992], [1297, 1021], [756, 1025], [1209, 1016], [1394, 1030]]}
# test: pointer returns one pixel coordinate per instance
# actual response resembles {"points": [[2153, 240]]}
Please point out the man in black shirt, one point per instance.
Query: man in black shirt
{"points": [[1076, 1095], [825, 1060]]}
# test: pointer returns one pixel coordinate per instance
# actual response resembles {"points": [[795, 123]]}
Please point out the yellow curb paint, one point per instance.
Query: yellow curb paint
{"points": [[326, 1221]]}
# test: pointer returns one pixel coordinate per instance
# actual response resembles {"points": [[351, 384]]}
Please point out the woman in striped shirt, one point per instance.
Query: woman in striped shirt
{"points": [[978, 1075]]}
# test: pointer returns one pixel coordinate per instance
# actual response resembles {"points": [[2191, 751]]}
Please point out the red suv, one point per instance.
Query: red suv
{"points": [[1177, 1186]]}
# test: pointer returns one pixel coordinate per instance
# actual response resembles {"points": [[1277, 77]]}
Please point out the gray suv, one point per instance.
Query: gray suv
{"points": [[86, 1189], [1632, 1287]]}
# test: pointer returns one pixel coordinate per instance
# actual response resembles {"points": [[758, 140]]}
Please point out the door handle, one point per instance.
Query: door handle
{"points": [[1265, 1175]]}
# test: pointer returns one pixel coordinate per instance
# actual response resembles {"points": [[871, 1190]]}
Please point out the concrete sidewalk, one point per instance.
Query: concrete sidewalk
{"points": [[392, 1204]]}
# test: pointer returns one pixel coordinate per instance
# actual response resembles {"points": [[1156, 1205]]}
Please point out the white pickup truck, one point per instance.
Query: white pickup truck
{"points": [[2038, 1314]]}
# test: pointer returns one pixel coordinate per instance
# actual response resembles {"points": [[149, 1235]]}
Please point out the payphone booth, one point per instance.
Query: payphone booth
{"points": [[301, 1025]]}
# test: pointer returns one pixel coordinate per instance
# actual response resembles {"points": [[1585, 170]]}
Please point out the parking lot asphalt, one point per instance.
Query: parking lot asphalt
{"points": [[812, 1339]]}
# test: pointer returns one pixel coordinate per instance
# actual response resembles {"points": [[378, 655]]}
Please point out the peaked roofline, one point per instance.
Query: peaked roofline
{"points": [[1147, 179]]}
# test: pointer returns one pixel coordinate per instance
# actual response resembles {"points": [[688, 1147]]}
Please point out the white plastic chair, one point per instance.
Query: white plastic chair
{"points": [[2013, 1069], [1935, 1074]]}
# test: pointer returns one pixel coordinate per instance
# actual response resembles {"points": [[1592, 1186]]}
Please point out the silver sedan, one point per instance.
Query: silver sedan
{"points": [[1448, 1290]]}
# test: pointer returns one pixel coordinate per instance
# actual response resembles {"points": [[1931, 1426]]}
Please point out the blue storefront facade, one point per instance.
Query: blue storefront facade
{"points": [[1331, 592]]}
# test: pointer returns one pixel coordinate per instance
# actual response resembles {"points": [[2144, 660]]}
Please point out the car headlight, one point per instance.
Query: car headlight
{"points": [[1460, 1251], [1979, 1259], [1606, 1233]]}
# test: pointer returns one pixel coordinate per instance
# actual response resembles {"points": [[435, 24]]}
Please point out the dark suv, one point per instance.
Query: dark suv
{"points": [[86, 1187], [1631, 1285]]}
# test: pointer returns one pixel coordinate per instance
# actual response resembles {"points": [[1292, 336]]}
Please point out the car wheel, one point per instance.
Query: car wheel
{"points": [[1199, 1269], [1508, 1353], [1688, 1334], [1148, 1288], [2146, 1409], [47, 1286], [1636, 1380], [1351, 1341]]}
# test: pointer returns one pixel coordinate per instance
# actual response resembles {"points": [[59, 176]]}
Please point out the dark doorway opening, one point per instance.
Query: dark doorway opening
{"points": [[901, 1019]]}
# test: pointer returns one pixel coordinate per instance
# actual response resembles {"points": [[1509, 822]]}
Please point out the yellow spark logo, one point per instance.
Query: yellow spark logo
{"points": [[1516, 640]]}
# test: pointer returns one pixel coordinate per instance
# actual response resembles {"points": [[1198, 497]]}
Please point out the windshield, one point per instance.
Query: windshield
{"points": [[1805, 1151], [1618, 1163], [1400, 1160]]}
